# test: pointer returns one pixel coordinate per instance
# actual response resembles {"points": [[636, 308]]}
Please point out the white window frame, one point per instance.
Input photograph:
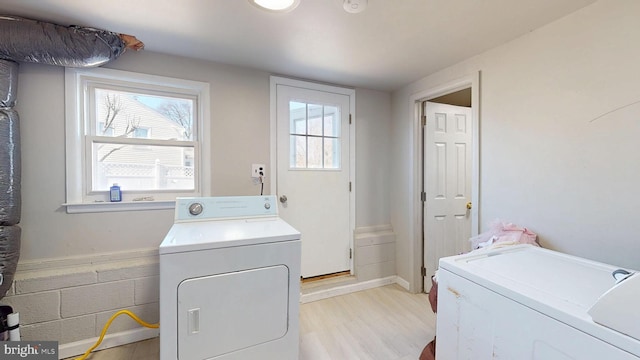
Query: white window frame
{"points": [[79, 199]]}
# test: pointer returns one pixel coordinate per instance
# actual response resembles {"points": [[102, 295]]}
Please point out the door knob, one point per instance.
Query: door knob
{"points": [[283, 199], [469, 206]]}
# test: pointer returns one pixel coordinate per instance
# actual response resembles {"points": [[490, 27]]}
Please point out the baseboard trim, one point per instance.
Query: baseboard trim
{"points": [[346, 289], [404, 283], [109, 341]]}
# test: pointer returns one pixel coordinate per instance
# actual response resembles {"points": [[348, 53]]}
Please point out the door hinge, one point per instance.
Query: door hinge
{"points": [[423, 271], [424, 120], [423, 196], [349, 186], [350, 253], [349, 119]]}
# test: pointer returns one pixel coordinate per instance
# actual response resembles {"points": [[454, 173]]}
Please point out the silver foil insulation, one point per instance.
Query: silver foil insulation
{"points": [[10, 169], [27, 40], [46, 43], [9, 255], [8, 83]]}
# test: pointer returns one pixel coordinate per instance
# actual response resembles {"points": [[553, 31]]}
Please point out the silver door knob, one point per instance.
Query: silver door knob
{"points": [[283, 199]]}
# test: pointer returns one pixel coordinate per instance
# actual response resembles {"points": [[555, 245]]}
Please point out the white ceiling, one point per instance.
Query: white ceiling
{"points": [[392, 43]]}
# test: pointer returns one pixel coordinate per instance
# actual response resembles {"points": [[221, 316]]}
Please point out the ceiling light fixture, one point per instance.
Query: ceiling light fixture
{"points": [[355, 6], [276, 5]]}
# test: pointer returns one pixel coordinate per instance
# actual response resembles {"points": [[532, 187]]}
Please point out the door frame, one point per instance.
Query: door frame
{"points": [[416, 224], [274, 81]]}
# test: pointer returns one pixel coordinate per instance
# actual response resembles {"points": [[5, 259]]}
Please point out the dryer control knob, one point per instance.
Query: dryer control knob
{"points": [[267, 206], [195, 209]]}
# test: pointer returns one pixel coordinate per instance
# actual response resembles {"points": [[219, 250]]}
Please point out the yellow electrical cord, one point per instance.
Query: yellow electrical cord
{"points": [[106, 326]]}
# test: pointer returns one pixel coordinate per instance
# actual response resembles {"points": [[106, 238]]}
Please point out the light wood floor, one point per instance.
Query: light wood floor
{"points": [[385, 323]]}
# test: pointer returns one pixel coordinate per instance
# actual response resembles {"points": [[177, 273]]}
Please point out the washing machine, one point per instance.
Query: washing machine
{"points": [[229, 281], [525, 302]]}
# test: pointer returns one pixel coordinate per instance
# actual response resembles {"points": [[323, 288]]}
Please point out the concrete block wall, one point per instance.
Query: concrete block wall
{"points": [[71, 300], [374, 252]]}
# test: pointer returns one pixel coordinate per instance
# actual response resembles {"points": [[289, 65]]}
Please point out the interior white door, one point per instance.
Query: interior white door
{"points": [[447, 183], [313, 174]]}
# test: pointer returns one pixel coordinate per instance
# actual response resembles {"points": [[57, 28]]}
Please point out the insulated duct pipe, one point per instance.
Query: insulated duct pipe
{"points": [[45, 43], [9, 175], [71, 46]]}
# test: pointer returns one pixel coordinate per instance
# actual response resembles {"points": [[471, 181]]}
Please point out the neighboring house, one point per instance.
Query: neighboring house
{"points": [[138, 165]]}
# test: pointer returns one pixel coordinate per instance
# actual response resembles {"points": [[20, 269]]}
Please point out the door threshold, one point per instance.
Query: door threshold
{"points": [[324, 277], [324, 282]]}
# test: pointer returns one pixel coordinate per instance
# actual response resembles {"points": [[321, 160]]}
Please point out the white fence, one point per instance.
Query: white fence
{"points": [[145, 176]]}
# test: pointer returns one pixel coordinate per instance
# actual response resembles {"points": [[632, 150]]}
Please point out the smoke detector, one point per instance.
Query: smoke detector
{"points": [[355, 6]]}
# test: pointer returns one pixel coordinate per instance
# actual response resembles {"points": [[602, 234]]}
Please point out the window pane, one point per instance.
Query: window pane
{"points": [[104, 131], [331, 153], [331, 121], [315, 119], [121, 114], [137, 167], [314, 156], [141, 133], [298, 118], [298, 155]]}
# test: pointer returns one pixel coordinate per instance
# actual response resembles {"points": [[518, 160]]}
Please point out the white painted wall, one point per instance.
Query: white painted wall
{"points": [[373, 111], [240, 137], [545, 162]]}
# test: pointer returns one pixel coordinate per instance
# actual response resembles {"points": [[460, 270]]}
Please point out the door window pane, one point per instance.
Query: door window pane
{"points": [[331, 154], [314, 156], [331, 121], [315, 136], [298, 146], [297, 114], [314, 114]]}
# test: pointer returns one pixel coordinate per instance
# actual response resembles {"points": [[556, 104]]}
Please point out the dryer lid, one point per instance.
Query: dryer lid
{"points": [[203, 235]]}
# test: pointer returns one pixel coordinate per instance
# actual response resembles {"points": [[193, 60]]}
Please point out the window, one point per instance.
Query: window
{"points": [[106, 131], [149, 134], [141, 133], [314, 134]]}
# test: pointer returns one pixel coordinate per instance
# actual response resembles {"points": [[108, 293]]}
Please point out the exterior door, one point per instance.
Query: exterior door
{"points": [[313, 169], [447, 183]]}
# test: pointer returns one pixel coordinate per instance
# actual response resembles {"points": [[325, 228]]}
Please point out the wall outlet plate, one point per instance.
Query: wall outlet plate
{"points": [[258, 170]]}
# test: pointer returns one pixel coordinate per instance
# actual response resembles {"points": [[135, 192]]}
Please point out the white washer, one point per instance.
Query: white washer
{"points": [[525, 302], [229, 281]]}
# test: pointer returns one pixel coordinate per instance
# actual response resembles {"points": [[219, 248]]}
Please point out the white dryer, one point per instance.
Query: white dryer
{"points": [[528, 303], [229, 281]]}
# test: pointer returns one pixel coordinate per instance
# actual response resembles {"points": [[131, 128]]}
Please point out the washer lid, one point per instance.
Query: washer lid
{"points": [[558, 285], [538, 272], [617, 310], [193, 236]]}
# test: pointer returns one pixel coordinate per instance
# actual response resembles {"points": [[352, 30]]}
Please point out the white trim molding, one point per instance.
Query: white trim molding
{"points": [[416, 250], [346, 289], [351, 93], [109, 341], [80, 134]]}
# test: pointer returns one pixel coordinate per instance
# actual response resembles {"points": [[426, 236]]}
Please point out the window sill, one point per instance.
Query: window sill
{"points": [[118, 206]]}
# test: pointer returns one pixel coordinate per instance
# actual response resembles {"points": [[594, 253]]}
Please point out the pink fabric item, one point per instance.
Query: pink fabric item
{"points": [[501, 232]]}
